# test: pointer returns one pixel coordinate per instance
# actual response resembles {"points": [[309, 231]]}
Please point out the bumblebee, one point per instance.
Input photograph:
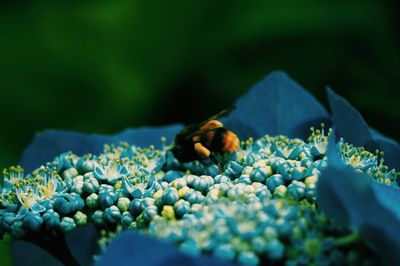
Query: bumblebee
{"points": [[203, 140]]}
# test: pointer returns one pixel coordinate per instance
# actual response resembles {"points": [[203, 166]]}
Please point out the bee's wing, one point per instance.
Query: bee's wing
{"points": [[195, 129]]}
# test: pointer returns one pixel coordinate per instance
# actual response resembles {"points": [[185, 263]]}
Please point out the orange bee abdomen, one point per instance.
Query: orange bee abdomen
{"points": [[231, 141]]}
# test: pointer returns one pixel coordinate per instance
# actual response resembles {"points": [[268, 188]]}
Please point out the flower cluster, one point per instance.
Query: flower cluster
{"points": [[257, 205]]}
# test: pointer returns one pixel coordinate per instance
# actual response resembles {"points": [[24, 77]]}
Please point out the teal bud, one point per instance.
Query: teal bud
{"points": [[67, 224], [243, 179], [66, 204], [190, 179], [233, 169], [195, 197], [274, 181], [141, 222], [6, 220], [77, 184], [170, 196], [98, 218], [275, 249], [133, 226], [126, 219], [275, 162], [259, 174], [296, 190], [191, 247], [80, 218], [112, 214], [222, 234], [248, 258], [134, 207], [181, 207], [107, 198], [258, 244], [17, 230], [171, 175], [90, 183], [70, 173], [149, 213], [51, 219], [32, 221], [146, 202], [225, 252], [212, 170], [200, 184], [298, 173], [123, 204], [179, 183], [92, 201], [87, 166], [222, 179]]}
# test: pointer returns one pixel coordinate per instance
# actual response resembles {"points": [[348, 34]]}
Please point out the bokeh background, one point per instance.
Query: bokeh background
{"points": [[103, 66]]}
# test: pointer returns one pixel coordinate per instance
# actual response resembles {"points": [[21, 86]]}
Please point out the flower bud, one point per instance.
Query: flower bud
{"points": [[181, 207], [149, 213], [170, 196], [107, 198], [123, 204], [51, 219], [80, 218], [112, 214], [32, 221], [17, 230], [67, 224], [126, 218], [98, 218], [92, 201], [168, 212], [90, 183]]}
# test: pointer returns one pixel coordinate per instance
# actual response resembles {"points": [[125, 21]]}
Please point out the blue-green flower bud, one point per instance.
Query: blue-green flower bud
{"points": [[296, 190], [275, 249], [126, 219], [107, 198], [195, 197], [149, 213], [17, 230], [233, 169], [51, 219], [90, 183], [6, 220], [243, 179], [200, 184], [274, 181], [170, 196], [123, 204], [190, 246], [213, 170], [98, 217], [248, 258], [32, 221], [179, 183], [225, 252], [66, 204], [92, 201], [222, 179], [181, 207], [112, 214], [134, 207], [77, 184], [146, 202], [80, 218], [70, 173], [67, 224], [87, 166], [190, 179], [259, 174], [258, 244], [171, 176]]}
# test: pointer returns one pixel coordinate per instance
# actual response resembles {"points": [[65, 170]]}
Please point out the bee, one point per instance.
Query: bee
{"points": [[203, 140]]}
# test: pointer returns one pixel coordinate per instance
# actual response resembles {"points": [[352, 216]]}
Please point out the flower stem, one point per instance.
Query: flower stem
{"points": [[347, 240]]}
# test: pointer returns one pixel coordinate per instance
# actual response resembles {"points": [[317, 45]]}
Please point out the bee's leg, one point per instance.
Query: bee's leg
{"points": [[202, 151]]}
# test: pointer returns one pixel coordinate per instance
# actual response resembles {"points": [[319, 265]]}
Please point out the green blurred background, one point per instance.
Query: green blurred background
{"points": [[102, 66]]}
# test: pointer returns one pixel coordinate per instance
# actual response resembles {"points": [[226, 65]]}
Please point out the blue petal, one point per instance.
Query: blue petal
{"points": [[276, 105], [45, 146], [351, 126], [348, 122], [132, 248], [366, 206]]}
